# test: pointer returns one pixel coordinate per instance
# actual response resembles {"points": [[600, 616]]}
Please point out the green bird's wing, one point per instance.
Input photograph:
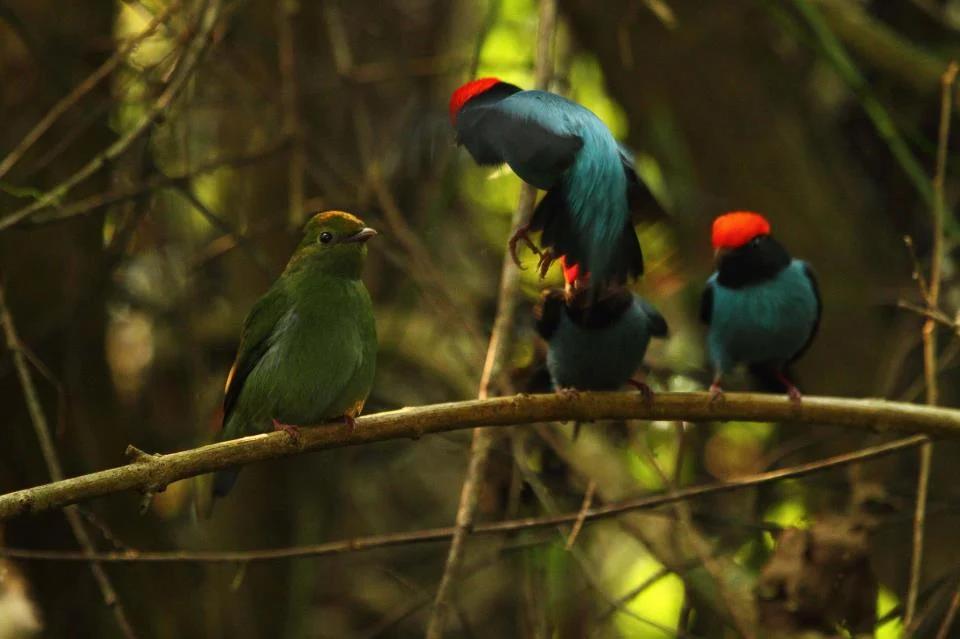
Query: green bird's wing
{"points": [[255, 340]]}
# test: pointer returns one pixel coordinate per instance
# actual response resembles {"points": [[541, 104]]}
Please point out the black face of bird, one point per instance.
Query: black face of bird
{"points": [[756, 261]]}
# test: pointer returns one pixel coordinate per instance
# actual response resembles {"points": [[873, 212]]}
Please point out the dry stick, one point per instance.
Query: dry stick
{"points": [[290, 99], [497, 352], [42, 429], [578, 524], [153, 472], [85, 86], [930, 338], [371, 542], [944, 630], [181, 74]]}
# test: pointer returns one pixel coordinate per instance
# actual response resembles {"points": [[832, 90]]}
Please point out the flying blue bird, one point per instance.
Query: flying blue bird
{"points": [[563, 148], [762, 306]]}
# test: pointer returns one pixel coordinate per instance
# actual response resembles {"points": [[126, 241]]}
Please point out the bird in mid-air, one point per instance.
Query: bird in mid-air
{"points": [[308, 347], [762, 306], [596, 344], [557, 145]]}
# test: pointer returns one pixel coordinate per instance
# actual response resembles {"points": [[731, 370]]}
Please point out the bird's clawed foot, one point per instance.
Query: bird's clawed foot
{"points": [[522, 233], [644, 389], [792, 391], [292, 431], [716, 393], [546, 260], [350, 421], [569, 392]]}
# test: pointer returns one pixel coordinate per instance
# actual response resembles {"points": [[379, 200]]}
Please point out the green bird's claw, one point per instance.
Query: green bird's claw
{"points": [[292, 431]]}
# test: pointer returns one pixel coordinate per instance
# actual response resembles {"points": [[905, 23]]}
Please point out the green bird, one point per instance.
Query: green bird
{"points": [[309, 346]]}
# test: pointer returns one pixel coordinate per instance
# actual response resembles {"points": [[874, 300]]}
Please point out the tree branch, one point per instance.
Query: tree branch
{"points": [[498, 349], [387, 540], [154, 472]]}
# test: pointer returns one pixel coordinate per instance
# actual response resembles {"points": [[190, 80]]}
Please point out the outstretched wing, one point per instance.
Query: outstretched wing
{"points": [[706, 303], [255, 340], [548, 312], [516, 131], [816, 323]]}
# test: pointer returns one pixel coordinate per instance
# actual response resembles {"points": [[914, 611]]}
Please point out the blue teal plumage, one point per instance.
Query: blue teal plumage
{"points": [[562, 147], [762, 306], [765, 323], [599, 347]]}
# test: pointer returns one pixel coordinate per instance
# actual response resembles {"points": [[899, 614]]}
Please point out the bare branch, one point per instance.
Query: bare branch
{"points": [[372, 542], [42, 429]]}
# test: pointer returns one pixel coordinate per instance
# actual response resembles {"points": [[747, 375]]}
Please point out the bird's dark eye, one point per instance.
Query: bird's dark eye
{"points": [[755, 241], [325, 237]]}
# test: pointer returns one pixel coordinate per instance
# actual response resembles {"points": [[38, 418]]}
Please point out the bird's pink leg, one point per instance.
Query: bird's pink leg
{"points": [[521, 234], [792, 391], [716, 392], [569, 392], [644, 389], [289, 429], [349, 421]]}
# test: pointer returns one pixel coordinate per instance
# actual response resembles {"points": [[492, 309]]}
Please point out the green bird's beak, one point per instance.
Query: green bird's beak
{"points": [[362, 235]]}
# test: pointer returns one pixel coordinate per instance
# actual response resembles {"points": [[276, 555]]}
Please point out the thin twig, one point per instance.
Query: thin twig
{"points": [[944, 630], [497, 350], [84, 87], [930, 365], [184, 70], [290, 99], [52, 460], [372, 542], [578, 524]]}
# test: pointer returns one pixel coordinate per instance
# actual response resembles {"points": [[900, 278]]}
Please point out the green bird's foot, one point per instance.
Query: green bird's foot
{"points": [[644, 389], [289, 429]]}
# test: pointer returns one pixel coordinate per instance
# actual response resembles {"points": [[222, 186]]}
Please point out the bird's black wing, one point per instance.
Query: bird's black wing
{"points": [[816, 324], [547, 313], [496, 135], [255, 340], [706, 304]]}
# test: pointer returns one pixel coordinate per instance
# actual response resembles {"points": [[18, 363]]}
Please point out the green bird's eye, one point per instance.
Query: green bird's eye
{"points": [[325, 237]]}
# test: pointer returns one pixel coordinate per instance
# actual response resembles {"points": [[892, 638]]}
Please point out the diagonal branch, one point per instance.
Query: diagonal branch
{"points": [[42, 428], [153, 472], [497, 351]]}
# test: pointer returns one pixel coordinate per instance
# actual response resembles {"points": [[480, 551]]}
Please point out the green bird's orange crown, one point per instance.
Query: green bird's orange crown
{"points": [[334, 237]]}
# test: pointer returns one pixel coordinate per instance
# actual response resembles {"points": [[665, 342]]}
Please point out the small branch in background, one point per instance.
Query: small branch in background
{"points": [[498, 350], [944, 630], [84, 87], [52, 460], [578, 524], [930, 365], [179, 77], [287, 11]]}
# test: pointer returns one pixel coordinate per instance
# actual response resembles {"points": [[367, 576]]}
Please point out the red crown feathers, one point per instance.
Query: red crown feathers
{"points": [[467, 91], [733, 230]]}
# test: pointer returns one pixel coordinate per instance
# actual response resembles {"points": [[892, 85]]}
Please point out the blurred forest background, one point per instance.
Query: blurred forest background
{"points": [[213, 127]]}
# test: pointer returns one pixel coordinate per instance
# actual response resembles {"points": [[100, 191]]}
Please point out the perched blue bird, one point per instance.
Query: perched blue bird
{"points": [[596, 344], [762, 307], [561, 147]]}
